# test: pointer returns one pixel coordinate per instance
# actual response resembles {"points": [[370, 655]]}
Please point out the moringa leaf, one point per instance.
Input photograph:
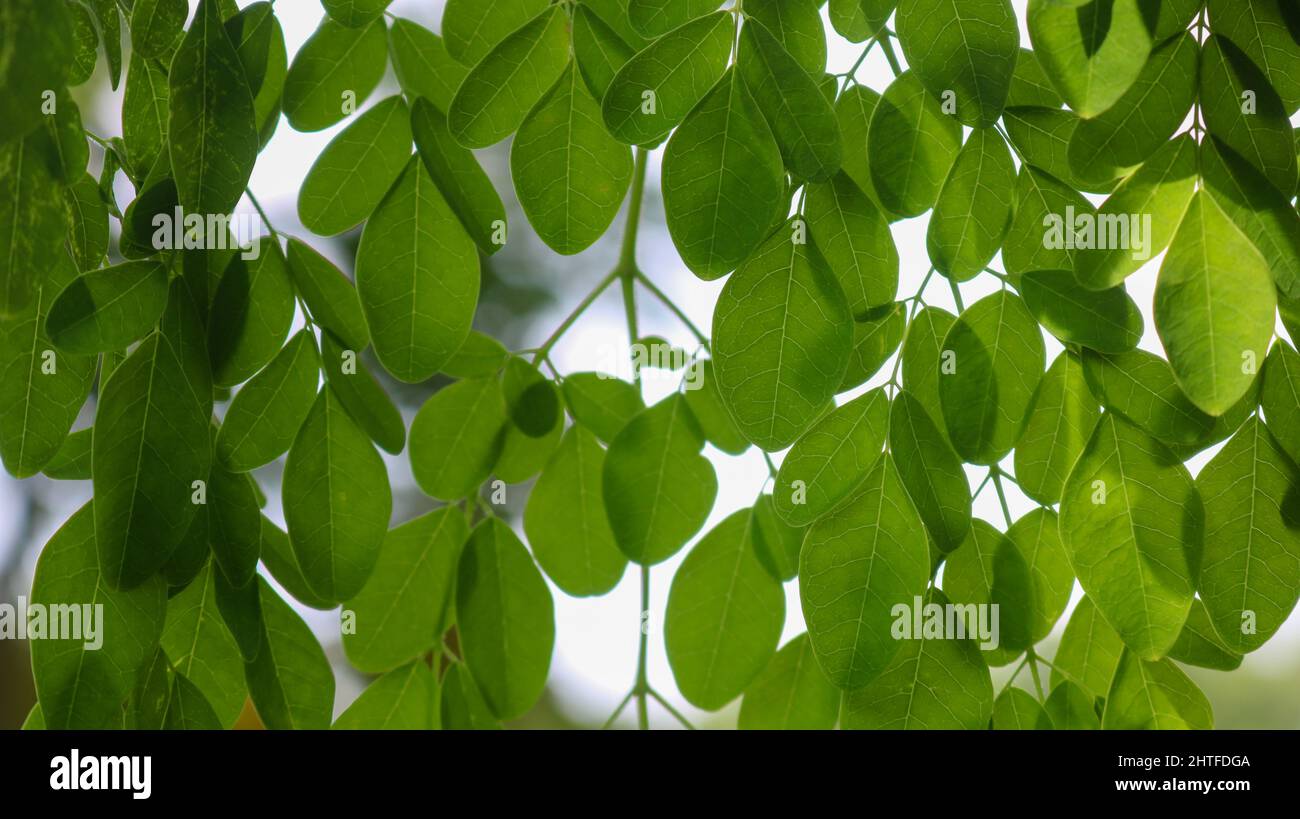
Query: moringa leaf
{"points": [[472, 28], [456, 438], [776, 542], [355, 13], [1061, 418], [921, 352], [290, 681], [1093, 53], [566, 523], [782, 336], [1265, 32], [364, 399], [1107, 321], [791, 693], [1280, 397], [1070, 708], [1133, 525], [570, 175], [849, 605], [351, 176], [854, 238], [264, 418], [337, 500], [401, 700], [156, 27], [1089, 651], [200, 646], [988, 570], [724, 615], [599, 50], [875, 340], [798, 26], [1015, 709], [407, 603], [973, 212], [505, 618], [602, 403], [333, 73], [499, 91], [1250, 575], [251, 312], [991, 363], [1147, 695], [705, 403], [655, 90], [1200, 645], [930, 471], [913, 145], [329, 296], [459, 177], [1210, 265], [831, 459], [418, 278], [723, 184], [966, 49], [422, 63]]}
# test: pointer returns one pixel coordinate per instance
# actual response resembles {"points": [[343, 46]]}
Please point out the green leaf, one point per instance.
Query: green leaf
{"points": [[1037, 537], [1141, 387], [1156, 695], [472, 28], [776, 542], [655, 90], [921, 351], [333, 73], [156, 27], [569, 173], [42, 32], [479, 357], [456, 438], [724, 615], [566, 523], [201, 647], [849, 605], [1030, 85], [1243, 110], [536, 422], [798, 26], [653, 18], [362, 396], [801, 119], [1089, 651], [782, 335], [599, 50], [35, 220], [1061, 418], [723, 184], [992, 360], [1280, 397], [1092, 53], [913, 145], [930, 684], [262, 421], [658, 450], [355, 13], [188, 709], [854, 238], [462, 707], [1042, 136], [962, 48], [1070, 708], [601, 403], [145, 108], [72, 461], [853, 111], [930, 471], [1258, 209], [791, 693], [1264, 31], [505, 618], [62, 140], [290, 682], [329, 296], [988, 570], [280, 561], [460, 178], [1214, 307], [1038, 238], [1143, 119], [831, 459], [418, 278], [974, 208], [1015, 709], [211, 126], [705, 403], [251, 313], [401, 700], [407, 603], [337, 500], [85, 38], [1107, 321], [1133, 524], [41, 390], [81, 688], [235, 521], [351, 176], [1250, 576], [152, 442], [147, 706], [500, 90], [89, 230], [856, 20], [875, 339], [422, 63], [1162, 188], [1200, 645]]}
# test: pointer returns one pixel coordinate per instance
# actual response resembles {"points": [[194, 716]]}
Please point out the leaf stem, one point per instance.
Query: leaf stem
{"points": [[668, 707], [642, 687], [260, 212], [996, 474], [1013, 676], [671, 305], [542, 351], [956, 295], [609, 723], [1033, 670], [883, 37]]}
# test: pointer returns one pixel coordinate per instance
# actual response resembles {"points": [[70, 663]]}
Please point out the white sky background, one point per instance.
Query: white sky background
{"points": [[596, 639]]}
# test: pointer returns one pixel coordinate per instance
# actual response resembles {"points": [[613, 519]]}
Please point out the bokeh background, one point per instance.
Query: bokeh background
{"points": [[527, 291]]}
